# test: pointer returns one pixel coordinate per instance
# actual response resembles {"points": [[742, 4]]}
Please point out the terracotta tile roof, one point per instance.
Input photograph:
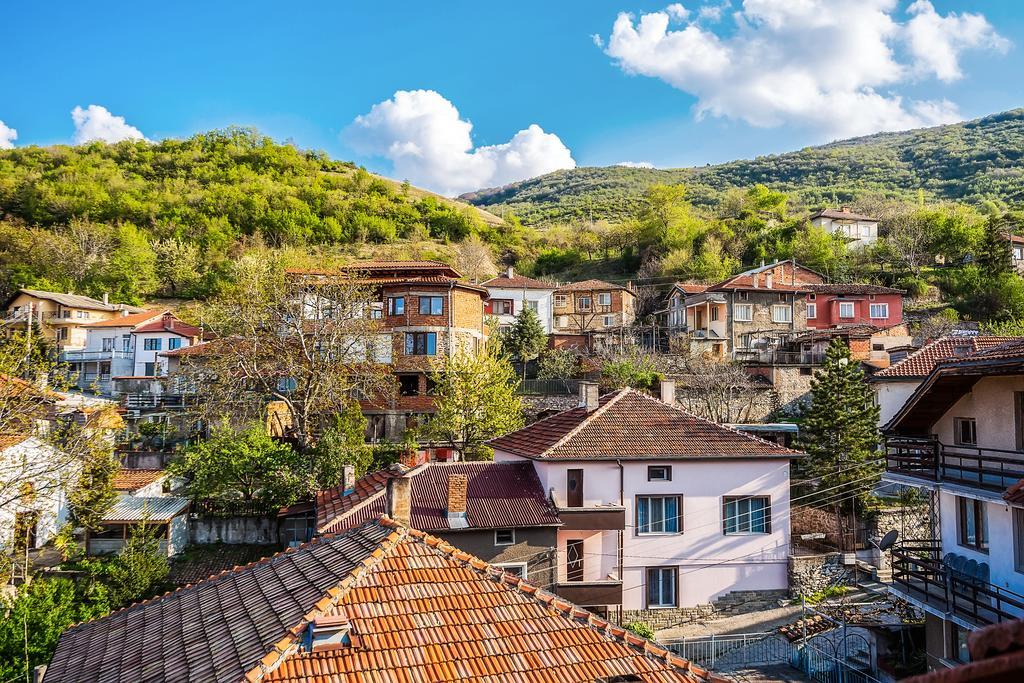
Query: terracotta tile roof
{"points": [[747, 282], [587, 285], [852, 288], [1010, 348], [847, 215], [920, 363], [692, 287], [169, 323], [517, 282], [997, 656], [498, 496], [201, 562], [8, 440], [134, 479], [194, 349], [130, 320], [631, 424], [419, 609]]}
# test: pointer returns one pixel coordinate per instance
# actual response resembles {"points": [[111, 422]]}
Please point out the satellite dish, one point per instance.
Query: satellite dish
{"points": [[888, 541]]}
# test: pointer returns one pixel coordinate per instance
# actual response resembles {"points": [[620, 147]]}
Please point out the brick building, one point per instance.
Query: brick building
{"points": [[592, 308], [831, 305]]}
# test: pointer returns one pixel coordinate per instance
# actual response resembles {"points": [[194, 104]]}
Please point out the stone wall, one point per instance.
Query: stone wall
{"points": [[232, 530], [659, 619], [810, 574], [793, 385]]}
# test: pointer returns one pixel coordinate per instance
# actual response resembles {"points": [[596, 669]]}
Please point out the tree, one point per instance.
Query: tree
{"points": [[720, 391], [559, 364], [343, 443], [306, 342], [178, 266], [908, 239], [527, 338], [93, 493], [629, 370], [139, 570], [474, 259], [247, 465], [475, 400], [993, 257], [839, 431]]}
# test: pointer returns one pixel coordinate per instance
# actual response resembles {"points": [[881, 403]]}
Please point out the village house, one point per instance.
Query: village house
{"points": [[859, 229], [496, 511], [840, 304], [32, 517], [662, 512], [126, 346], [381, 602], [959, 440], [60, 318], [592, 308], [426, 312], [510, 292], [675, 309]]}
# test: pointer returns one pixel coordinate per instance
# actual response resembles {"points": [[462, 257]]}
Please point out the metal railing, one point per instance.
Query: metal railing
{"points": [[771, 357], [140, 401], [919, 572], [83, 356], [734, 651], [548, 387], [993, 469]]}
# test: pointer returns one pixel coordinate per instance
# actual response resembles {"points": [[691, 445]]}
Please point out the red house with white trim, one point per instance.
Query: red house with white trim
{"points": [[836, 305]]}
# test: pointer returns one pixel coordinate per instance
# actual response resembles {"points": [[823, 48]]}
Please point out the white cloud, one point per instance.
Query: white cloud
{"points": [[96, 123], [598, 40], [427, 142], [7, 136], [677, 12], [936, 41], [830, 65], [635, 164], [713, 13]]}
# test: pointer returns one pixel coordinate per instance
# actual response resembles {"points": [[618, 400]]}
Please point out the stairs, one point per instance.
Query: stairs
{"points": [[742, 602]]}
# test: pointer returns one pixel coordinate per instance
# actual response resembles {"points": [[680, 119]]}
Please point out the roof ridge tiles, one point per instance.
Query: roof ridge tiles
{"points": [[601, 410]]}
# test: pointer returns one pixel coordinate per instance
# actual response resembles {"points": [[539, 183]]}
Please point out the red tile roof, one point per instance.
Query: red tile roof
{"points": [[130, 320], [692, 287], [169, 323], [923, 361], [631, 424], [8, 440], [1015, 494], [134, 479], [997, 656], [517, 282], [498, 496], [588, 285], [420, 611]]}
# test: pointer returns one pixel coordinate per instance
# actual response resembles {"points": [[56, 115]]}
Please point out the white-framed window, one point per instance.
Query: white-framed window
{"points": [[782, 314], [504, 537], [533, 305], [659, 473], [845, 309], [965, 431], [561, 300], [153, 344], [609, 320], [879, 310], [744, 313], [604, 299], [661, 586], [502, 307], [108, 343], [659, 514], [514, 568], [812, 310], [583, 303], [743, 295], [746, 515], [714, 314]]}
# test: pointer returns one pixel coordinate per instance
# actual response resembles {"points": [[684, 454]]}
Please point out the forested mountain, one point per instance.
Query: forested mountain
{"points": [[971, 161]]}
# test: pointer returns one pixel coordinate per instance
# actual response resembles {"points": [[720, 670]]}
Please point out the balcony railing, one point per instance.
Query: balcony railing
{"points": [[771, 357], [549, 387], [141, 401], [992, 469], [919, 572], [88, 356]]}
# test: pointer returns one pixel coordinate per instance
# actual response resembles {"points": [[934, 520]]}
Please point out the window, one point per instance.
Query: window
{"points": [[504, 536], [782, 297], [744, 313], [174, 343], [108, 343], [609, 320], [583, 303], [500, 307], [376, 313], [532, 305], [812, 297], [561, 300], [879, 310], [396, 305], [659, 473], [409, 385], [714, 313], [972, 524], [150, 370], [661, 586], [513, 568], [432, 305], [743, 296], [812, 310], [965, 431], [845, 309], [420, 343], [958, 640], [747, 515], [782, 314], [1018, 539], [153, 344], [604, 299], [126, 342], [574, 560], [658, 514]]}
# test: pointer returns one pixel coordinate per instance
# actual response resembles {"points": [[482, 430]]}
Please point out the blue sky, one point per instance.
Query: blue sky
{"points": [[305, 70]]}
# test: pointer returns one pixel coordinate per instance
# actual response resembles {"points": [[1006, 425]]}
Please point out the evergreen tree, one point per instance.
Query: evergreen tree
{"points": [[994, 249], [839, 432], [527, 339]]}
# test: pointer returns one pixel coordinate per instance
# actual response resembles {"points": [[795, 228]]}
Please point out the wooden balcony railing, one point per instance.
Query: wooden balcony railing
{"points": [[992, 469], [919, 572]]}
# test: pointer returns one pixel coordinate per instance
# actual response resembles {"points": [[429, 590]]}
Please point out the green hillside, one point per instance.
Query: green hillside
{"points": [[971, 161]]}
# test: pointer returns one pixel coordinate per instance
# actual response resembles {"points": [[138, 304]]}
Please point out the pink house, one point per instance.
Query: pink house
{"points": [[661, 510], [833, 305]]}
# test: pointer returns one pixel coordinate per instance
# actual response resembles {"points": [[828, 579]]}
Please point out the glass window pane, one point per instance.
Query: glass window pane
{"points": [[657, 514], [642, 516], [671, 515]]}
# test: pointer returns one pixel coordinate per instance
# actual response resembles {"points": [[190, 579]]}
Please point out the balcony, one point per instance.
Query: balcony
{"points": [[590, 593], [597, 518], [991, 469], [944, 587], [93, 356], [774, 357], [142, 401]]}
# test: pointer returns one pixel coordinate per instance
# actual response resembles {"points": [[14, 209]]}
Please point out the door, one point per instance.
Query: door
{"points": [[574, 488], [574, 560]]}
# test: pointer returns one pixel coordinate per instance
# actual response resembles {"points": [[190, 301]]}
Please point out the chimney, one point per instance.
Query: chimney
{"points": [[510, 272], [845, 209], [457, 484], [588, 396], [106, 299], [400, 499], [329, 632], [348, 477], [668, 391]]}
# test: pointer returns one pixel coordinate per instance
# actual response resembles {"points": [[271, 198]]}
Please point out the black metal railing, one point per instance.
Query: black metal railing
{"points": [[919, 571], [549, 387], [993, 469], [773, 357], [141, 401]]}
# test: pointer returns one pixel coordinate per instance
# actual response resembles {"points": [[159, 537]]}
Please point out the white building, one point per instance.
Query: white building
{"points": [[959, 439], [129, 346], [510, 293], [861, 230], [661, 510], [27, 461]]}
